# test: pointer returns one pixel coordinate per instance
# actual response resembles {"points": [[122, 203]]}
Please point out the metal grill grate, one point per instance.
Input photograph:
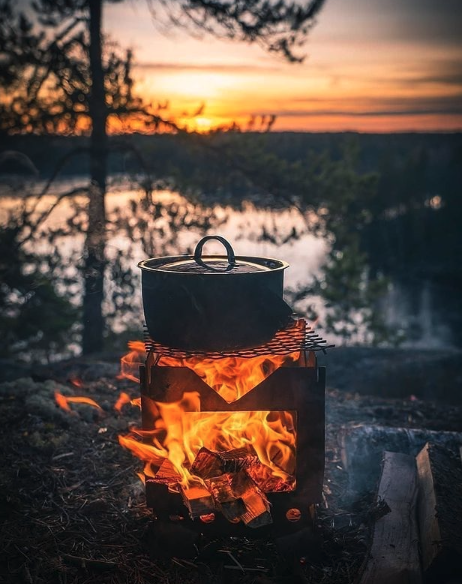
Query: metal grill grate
{"points": [[297, 336]]}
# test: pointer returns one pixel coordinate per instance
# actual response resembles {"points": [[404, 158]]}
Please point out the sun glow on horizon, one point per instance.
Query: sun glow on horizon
{"points": [[370, 67]]}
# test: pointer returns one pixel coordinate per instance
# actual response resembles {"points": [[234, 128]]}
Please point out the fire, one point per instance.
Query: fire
{"points": [[136, 402], [123, 399], [130, 363], [181, 430], [64, 401], [76, 382], [230, 377]]}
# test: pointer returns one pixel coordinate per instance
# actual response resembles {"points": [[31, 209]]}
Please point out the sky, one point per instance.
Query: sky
{"points": [[371, 66]]}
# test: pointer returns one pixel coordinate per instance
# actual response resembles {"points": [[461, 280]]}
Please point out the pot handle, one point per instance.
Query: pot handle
{"points": [[229, 252]]}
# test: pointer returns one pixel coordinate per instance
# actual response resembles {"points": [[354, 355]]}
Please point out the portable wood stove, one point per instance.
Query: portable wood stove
{"points": [[296, 389]]}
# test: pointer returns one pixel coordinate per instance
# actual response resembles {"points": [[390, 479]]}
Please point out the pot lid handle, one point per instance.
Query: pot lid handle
{"points": [[229, 252]]}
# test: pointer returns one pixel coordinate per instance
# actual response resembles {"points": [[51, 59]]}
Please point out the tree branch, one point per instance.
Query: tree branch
{"points": [[34, 226]]}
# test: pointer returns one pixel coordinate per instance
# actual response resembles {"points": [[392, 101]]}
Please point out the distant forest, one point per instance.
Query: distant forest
{"points": [[414, 219]]}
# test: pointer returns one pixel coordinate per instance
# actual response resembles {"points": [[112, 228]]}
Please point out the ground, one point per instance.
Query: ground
{"points": [[73, 509]]}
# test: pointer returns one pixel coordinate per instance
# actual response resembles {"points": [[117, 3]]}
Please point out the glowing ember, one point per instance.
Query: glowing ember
{"points": [[64, 401]]}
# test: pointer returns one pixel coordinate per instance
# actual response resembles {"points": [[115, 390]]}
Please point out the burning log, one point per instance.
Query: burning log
{"points": [[233, 490], [239, 498], [257, 507], [235, 493], [440, 512], [166, 474], [209, 464], [231, 507], [198, 500]]}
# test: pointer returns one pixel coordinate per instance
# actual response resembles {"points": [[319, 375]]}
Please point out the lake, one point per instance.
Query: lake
{"points": [[178, 223]]}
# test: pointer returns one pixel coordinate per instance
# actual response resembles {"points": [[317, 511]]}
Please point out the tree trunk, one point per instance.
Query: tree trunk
{"points": [[93, 320]]}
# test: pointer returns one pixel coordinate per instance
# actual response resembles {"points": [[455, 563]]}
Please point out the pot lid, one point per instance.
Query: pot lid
{"points": [[213, 264]]}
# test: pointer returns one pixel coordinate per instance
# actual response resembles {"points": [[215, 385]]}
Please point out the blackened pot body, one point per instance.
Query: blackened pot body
{"points": [[213, 310]]}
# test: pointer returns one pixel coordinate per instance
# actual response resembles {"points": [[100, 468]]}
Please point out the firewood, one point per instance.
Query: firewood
{"points": [[257, 507], [394, 554], [231, 507], [239, 459], [198, 500], [440, 512], [220, 487], [208, 464], [166, 474], [238, 497]]}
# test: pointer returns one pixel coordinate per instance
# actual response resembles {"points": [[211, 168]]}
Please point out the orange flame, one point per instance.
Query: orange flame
{"points": [[130, 363], [180, 429], [64, 401], [123, 399], [76, 382], [136, 402], [232, 377]]}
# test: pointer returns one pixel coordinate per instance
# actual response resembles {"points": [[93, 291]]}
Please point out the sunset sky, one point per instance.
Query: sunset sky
{"points": [[372, 65]]}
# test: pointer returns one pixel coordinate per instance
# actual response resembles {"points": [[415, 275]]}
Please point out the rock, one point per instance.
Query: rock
{"points": [[362, 448], [77, 370], [11, 369], [36, 399], [396, 373]]}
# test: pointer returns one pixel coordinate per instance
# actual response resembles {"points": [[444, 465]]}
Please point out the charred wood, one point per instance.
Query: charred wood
{"points": [[209, 464], [231, 507], [257, 507], [198, 500], [166, 474]]}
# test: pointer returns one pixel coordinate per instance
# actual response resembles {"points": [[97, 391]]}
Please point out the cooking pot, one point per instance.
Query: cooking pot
{"points": [[213, 302]]}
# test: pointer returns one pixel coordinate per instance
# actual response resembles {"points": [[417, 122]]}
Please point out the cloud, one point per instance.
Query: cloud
{"points": [[208, 67], [376, 107]]}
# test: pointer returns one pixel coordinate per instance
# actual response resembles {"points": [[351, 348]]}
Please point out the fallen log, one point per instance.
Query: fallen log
{"points": [[394, 555], [362, 447], [440, 513]]}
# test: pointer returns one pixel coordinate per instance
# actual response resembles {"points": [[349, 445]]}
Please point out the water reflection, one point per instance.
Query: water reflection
{"points": [[170, 224]]}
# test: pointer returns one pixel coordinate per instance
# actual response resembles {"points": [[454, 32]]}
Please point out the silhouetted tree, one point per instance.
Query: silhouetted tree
{"points": [[62, 78]]}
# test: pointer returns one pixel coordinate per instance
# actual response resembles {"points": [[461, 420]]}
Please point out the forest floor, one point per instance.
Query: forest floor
{"points": [[73, 509]]}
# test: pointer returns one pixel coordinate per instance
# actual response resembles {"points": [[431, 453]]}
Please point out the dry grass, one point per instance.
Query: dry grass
{"points": [[73, 510]]}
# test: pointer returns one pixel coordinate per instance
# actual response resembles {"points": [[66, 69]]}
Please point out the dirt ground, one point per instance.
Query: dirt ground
{"points": [[73, 509]]}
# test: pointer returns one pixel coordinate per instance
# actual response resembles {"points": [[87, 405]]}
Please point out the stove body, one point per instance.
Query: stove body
{"points": [[298, 388]]}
